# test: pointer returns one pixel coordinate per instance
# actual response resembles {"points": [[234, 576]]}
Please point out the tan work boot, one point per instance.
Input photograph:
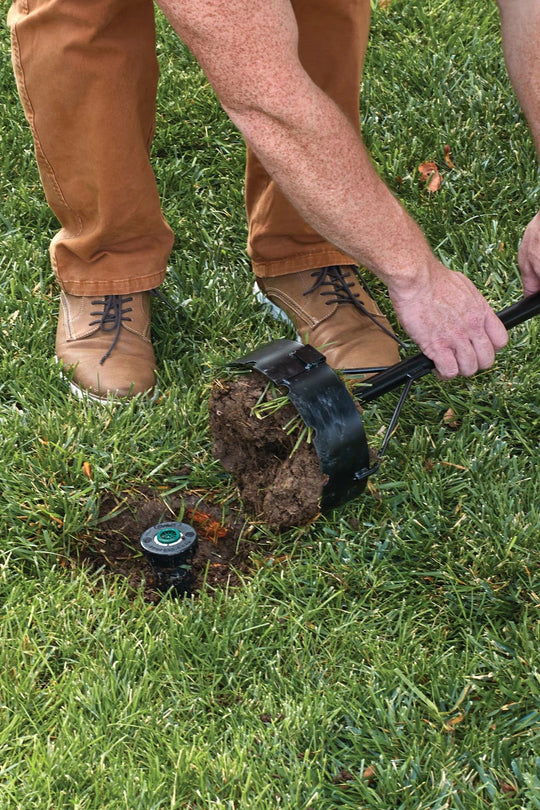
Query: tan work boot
{"points": [[333, 310], [104, 341]]}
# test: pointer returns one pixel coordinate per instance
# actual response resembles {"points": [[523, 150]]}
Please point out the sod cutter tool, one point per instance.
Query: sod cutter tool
{"points": [[326, 404]]}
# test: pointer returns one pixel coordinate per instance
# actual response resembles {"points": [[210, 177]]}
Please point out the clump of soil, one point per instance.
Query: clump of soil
{"points": [[223, 553], [280, 484]]}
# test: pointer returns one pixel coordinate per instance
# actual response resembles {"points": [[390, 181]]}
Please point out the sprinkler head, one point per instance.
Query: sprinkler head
{"points": [[170, 548]]}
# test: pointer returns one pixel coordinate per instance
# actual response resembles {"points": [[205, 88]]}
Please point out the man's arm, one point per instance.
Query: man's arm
{"points": [[248, 50], [520, 23]]}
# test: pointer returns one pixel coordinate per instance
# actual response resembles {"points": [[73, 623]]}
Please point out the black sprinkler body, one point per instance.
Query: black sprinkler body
{"points": [[326, 404], [170, 549]]}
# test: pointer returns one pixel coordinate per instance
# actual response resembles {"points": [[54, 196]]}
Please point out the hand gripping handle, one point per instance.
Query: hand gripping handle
{"points": [[418, 365]]}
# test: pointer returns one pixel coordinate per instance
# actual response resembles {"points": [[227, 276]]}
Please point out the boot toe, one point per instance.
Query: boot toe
{"points": [[99, 381], [102, 383], [106, 363]]}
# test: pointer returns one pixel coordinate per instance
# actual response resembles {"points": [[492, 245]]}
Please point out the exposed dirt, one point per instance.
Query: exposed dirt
{"points": [[277, 486], [223, 553]]}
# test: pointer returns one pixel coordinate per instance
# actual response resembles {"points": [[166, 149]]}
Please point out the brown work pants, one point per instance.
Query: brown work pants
{"points": [[87, 76]]}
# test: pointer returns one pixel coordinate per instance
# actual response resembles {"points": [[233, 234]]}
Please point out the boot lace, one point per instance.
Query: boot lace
{"points": [[340, 291], [113, 312]]}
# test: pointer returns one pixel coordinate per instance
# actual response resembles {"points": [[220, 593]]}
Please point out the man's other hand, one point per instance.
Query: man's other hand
{"points": [[529, 257]]}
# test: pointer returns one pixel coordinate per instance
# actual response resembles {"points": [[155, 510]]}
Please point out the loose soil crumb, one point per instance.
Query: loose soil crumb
{"points": [[277, 486], [223, 553]]}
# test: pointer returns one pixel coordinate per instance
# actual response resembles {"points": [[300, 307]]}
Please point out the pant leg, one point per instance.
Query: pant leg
{"points": [[87, 76], [333, 37]]}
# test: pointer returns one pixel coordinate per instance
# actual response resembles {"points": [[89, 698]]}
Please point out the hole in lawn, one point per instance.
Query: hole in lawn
{"points": [[223, 554]]}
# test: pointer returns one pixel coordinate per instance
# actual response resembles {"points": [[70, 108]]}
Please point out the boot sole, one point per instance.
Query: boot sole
{"points": [[84, 395]]}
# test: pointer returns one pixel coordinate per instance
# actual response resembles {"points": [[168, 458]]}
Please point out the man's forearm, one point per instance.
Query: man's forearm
{"points": [[303, 139], [320, 163], [520, 23]]}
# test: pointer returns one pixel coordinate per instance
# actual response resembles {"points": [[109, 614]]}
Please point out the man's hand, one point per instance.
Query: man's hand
{"points": [[450, 320], [529, 257]]}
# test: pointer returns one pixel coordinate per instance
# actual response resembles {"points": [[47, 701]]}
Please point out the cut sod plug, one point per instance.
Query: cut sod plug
{"points": [[263, 443]]}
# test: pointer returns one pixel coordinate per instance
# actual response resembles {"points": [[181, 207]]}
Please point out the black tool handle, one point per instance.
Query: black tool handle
{"points": [[418, 365]]}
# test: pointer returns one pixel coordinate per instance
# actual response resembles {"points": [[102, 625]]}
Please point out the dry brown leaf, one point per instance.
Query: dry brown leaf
{"points": [[454, 721], [430, 174], [450, 419], [384, 4], [435, 183], [87, 469], [426, 169], [369, 772], [343, 776], [447, 158], [507, 787]]}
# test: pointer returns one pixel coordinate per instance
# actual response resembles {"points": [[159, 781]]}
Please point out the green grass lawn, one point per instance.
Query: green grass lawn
{"points": [[385, 656]]}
